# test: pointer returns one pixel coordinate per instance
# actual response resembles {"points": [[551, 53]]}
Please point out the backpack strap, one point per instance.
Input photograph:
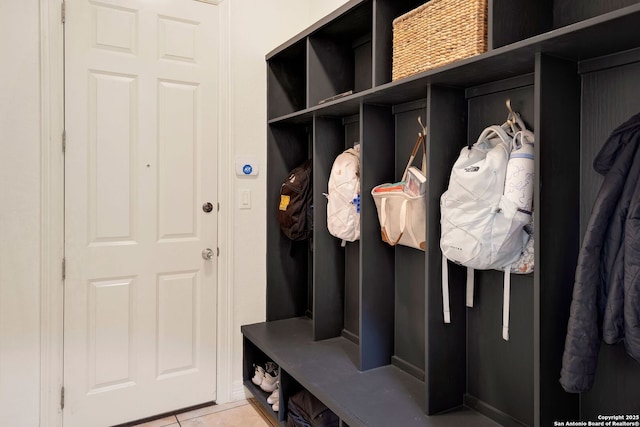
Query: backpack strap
{"points": [[488, 131], [498, 131], [506, 302], [470, 286], [446, 310]]}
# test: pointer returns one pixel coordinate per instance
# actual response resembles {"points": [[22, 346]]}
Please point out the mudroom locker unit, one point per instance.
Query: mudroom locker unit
{"points": [[361, 327]]}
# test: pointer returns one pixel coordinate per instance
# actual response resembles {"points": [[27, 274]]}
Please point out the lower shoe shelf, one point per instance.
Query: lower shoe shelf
{"points": [[385, 396], [261, 398]]}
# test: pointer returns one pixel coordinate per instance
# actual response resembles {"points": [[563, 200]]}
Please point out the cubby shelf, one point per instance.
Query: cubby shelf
{"points": [[361, 326], [383, 396], [592, 38]]}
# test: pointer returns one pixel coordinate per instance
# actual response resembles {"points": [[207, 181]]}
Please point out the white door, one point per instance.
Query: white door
{"points": [[140, 164]]}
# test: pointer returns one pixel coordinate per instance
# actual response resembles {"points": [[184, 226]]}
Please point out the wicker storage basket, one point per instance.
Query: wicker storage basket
{"points": [[436, 33]]}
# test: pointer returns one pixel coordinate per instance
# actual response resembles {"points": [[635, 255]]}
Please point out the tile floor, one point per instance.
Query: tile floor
{"points": [[243, 413]]}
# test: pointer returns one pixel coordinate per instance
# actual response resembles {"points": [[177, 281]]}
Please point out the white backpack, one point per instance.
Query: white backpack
{"points": [[482, 227], [343, 206]]}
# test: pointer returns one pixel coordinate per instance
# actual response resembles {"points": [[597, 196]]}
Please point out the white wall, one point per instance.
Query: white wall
{"points": [[20, 213], [255, 28]]}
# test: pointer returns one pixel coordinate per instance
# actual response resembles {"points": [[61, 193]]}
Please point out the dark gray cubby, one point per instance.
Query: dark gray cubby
{"points": [[340, 55], [254, 356], [361, 327], [287, 81], [289, 295], [608, 99]]}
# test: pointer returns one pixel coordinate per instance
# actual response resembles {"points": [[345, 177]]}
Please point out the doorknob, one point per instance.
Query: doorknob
{"points": [[207, 207], [207, 253]]}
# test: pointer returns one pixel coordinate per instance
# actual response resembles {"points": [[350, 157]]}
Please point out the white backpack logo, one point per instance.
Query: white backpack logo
{"points": [[343, 206], [487, 205]]}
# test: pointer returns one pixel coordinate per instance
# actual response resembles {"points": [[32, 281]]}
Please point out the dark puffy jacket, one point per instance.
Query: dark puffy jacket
{"points": [[606, 293]]}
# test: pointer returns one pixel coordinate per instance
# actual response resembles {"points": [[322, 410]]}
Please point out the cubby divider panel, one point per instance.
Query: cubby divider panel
{"points": [[609, 98], [376, 257], [557, 210], [288, 262], [286, 80], [409, 334], [445, 344], [351, 329], [340, 56], [329, 257]]}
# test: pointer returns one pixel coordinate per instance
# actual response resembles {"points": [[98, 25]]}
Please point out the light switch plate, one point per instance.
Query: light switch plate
{"points": [[244, 199]]}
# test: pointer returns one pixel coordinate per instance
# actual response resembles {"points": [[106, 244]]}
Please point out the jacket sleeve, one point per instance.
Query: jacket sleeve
{"points": [[632, 279], [616, 264], [582, 343]]}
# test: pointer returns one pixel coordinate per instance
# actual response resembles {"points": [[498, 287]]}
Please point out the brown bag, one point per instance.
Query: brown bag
{"points": [[294, 209]]}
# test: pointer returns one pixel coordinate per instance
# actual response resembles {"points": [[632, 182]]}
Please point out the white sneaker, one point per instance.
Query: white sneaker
{"points": [[270, 379], [258, 375], [275, 396]]}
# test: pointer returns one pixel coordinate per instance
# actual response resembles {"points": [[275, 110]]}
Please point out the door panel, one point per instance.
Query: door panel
{"points": [[141, 122], [112, 147], [177, 152]]}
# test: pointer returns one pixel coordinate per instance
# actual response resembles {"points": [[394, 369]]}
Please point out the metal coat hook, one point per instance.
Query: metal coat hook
{"points": [[512, 117], [513, 120], [424, 128], [508, 103]]}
